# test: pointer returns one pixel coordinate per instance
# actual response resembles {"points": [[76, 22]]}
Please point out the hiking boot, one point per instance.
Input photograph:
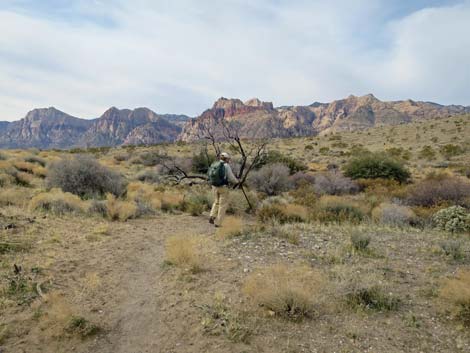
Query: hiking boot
{"points": [[211, 220]]}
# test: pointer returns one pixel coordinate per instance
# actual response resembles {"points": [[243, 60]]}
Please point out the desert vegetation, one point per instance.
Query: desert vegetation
{"points": [[335, 236]]}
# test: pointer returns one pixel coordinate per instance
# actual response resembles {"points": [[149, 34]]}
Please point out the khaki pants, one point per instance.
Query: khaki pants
{"points": [[220, 205]]}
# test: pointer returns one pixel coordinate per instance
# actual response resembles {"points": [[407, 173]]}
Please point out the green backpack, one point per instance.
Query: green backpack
{"points": [[216, 174]]}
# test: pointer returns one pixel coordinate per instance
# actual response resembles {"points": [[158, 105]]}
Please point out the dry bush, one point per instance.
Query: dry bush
{"points": [[455, 294], [272, 179], [282, 213], [121, 156], [144, 194], [337, 209], [439, 189], [85, 177], [238, 204], [300, 179], [40, 171], [149, 176], [198, 200], [293, 292], [25, 167], [393, 214], [13, 197], [231, 227], [58, 202], [186, 252], [171, 200], [334, 183], [35, 159], [383, 187], [119, 210], [305, 195]]}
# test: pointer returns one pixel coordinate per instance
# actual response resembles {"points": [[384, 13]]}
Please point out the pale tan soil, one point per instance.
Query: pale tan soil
{"points": [[119, 281]]}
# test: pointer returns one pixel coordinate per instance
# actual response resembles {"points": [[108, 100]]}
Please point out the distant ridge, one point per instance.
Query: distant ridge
{"points": [[261, 120], [50, 128]]}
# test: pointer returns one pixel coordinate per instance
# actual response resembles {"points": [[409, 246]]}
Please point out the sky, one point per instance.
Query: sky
{"points": [[179, 56]]}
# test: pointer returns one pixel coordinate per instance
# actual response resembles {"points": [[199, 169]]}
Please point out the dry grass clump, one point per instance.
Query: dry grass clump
{"points": [[336, 209], [282, 212], [455, 293], [186, 252], [40, 171], [25, 167], [393, 214], [58, 202], [222, 319], [231, 227], [293, 292], [82, 327], [13, 197], [120, 210], [362, 290], [144, 193], [35, 159], [171, 200]]}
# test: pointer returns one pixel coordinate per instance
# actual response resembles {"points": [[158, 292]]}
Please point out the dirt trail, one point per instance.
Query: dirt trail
{"points": [[138, 299]]}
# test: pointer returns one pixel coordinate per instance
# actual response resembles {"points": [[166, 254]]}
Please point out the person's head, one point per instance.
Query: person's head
{"points": [[225, 157]]}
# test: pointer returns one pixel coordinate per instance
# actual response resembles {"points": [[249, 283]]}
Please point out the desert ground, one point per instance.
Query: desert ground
{"points": [[324, 263]]}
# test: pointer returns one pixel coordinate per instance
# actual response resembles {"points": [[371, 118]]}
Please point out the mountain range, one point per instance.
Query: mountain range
{"points": [[50, 128]]}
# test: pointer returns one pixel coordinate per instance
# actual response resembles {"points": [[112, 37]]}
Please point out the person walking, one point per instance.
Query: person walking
{"points": [[220, 176]]}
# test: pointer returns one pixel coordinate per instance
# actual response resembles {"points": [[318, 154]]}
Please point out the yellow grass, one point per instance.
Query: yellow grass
{"points": [[119, 210], [455, 294], [144, 192], [57, 201], [290, 291], [13, 196], [231, 227], [186, 252]]}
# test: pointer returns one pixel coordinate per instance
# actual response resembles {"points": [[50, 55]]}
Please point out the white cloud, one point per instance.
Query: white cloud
{"points": [[179, 56]]}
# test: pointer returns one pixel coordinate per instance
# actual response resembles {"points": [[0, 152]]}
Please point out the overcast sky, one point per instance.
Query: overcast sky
{"points": [[179, 56]]}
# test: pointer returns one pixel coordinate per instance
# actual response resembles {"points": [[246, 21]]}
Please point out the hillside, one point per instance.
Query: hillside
{"points": [[258, 119], [50, 128], [47, 128]]}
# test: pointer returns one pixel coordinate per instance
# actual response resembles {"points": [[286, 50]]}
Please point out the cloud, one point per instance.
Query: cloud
{"points": [[179, 56]]}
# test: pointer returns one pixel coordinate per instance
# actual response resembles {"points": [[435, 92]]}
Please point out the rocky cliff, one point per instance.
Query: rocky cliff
{"points": [[256, 119], [51, 128]]}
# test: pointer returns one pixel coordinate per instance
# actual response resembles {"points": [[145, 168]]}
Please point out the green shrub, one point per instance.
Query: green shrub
{"points": [[453, 219], [359, 241], [202, 160], [376, 165], [276, 157], [451, 150], [373, 298]]}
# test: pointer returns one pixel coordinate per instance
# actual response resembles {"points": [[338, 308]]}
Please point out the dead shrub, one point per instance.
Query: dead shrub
{"points": [[85, 177], [455, 294], [119, 210], [58, 202], [334, 183], [272, 179], [149, 176], [439, 189], [293, 292], [186, 252], [393, 214], [144, 195]]}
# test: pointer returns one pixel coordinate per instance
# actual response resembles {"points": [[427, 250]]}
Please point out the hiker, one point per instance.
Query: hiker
{"points": [[220, 176]]}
